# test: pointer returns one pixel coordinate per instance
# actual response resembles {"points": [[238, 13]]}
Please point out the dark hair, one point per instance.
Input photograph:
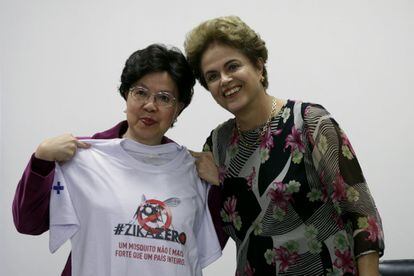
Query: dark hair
{"points": [[230, 31], [159, 58]]}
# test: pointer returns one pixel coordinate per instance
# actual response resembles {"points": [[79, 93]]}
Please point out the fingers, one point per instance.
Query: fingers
{"points": [[74, 142], [82, 145], [60, 148], [195, 154], [214, 182], [201, 155], [206, 168]]}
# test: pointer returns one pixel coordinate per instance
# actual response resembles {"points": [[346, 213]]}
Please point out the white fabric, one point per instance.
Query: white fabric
{"points": [[132, 209]]}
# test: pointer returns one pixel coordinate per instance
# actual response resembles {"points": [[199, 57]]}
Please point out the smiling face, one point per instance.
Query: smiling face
{"points": [[147, 122], [232, 79]]}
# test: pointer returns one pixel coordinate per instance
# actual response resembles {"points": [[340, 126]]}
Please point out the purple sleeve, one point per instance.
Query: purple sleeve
{"points": [[31, 200]]}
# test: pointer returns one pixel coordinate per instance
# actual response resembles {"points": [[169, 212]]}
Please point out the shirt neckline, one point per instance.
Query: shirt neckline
{"points": [[126, 145]]}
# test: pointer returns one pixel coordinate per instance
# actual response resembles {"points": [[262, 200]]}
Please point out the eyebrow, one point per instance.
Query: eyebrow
{"points": [[230, 61], [225, 64], [141, 85]]}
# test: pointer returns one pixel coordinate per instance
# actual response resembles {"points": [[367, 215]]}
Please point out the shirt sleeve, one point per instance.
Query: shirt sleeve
{"points": [[208, 244], [31, 200], [64, 222], [342, 180]]}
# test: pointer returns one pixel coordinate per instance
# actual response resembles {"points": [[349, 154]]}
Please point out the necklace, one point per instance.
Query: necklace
{"points": [[262, 131]]}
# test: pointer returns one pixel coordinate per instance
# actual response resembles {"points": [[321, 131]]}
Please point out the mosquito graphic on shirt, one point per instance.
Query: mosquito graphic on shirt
{"points": [[153, 214]]}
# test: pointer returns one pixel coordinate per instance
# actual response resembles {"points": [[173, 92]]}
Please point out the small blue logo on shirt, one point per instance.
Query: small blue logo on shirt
{"points": [[58, 188]]}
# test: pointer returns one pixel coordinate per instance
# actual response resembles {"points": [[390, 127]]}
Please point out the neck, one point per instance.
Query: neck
{"points": [[256, 113]]}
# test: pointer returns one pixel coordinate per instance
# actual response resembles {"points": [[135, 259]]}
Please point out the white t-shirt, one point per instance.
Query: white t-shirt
{"points": [[132, 209]]}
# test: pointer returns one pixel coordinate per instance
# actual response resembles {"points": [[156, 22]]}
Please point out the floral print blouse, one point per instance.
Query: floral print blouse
{"points": [[295, 202]]}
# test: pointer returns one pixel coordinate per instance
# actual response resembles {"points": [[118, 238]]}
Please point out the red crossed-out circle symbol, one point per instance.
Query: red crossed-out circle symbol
{"points": [[154, 216]]}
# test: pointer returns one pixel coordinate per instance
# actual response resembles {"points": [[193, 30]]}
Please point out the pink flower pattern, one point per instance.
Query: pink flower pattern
{"points": [[373, 229], [250, 179], [278, 196], [294, 140], [267, 139], [344, 261], [248, 270], [332, 191], [346, 142], [285, 258], [339, 191], [230, 208]]}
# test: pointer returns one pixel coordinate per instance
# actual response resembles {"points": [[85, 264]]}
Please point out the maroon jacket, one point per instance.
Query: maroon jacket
{"points": [[32, 197]]}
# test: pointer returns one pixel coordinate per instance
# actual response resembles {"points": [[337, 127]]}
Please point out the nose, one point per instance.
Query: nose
{"points": [[150, 104], [226, 78]]}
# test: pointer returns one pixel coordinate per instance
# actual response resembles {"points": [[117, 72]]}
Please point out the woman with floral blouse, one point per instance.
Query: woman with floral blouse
{"points": [[290, 191]]}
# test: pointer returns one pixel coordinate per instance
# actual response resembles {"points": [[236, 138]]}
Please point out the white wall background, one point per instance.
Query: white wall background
{"points": [[60, 65]]}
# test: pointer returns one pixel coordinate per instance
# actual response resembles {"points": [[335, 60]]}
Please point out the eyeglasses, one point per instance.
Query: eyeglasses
{"points": [[161, 98]]}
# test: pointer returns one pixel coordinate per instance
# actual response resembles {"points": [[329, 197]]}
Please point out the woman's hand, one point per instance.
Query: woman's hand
{"points": [[206, 168], [60, 148]]}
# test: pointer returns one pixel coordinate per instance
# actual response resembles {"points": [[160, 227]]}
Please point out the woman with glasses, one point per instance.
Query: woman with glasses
{"points": [[128, 198], [290, 191]]}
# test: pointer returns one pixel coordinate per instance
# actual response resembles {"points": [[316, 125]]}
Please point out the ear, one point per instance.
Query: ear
{"points": [[260, 66], [180, 107]]}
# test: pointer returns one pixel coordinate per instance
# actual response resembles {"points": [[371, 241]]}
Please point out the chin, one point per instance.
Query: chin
{"points": [[234, 107]]}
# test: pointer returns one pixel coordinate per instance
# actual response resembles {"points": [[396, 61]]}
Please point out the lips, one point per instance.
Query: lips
{"points": [[230, 92], [147, 121]]}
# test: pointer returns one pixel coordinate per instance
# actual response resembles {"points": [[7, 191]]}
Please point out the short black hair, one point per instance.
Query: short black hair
{"points": [[159, 58]]}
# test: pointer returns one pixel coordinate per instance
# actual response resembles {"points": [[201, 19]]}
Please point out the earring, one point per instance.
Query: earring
{"points": [[125, 111], [262, 79]]}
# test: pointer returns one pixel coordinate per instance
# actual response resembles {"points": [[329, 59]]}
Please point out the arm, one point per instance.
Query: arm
{"points": [[31, 201], [368, 265], [344, 185]]}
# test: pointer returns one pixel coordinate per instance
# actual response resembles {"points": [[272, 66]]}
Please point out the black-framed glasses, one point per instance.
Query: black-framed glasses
{"points": [[161, 98]]}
